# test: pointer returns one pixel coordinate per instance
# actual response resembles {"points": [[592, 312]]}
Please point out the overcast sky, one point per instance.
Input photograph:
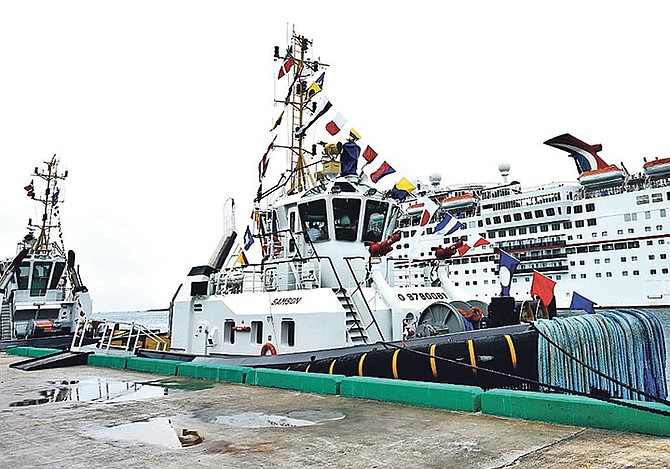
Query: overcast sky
{"points": [[161, 110]]}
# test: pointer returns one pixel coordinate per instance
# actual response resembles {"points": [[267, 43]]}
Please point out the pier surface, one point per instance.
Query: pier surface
{"points": [[88, 417]]}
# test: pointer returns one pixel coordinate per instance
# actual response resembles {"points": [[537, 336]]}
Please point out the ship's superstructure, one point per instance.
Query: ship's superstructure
{"points": [[41, 292], [605, 236]]}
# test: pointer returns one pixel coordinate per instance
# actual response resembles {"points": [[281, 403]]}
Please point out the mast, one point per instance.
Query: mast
{"points": [[50, 200], [301, 177]]}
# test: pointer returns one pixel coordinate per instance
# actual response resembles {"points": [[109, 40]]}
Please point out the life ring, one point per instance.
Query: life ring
{"points": [[268, 348]]}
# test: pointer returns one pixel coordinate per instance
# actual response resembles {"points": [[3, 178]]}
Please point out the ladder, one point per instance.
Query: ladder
{"points": [[356, 332], [5, 323]]}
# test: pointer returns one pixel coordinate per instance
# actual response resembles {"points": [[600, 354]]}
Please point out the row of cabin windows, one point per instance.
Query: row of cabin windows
{"points": [[287, 332], [624, 273], [539, 213], [662, 256]]}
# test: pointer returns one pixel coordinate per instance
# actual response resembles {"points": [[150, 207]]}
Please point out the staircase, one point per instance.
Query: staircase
{"points": [[356, 332], [5, 323]]}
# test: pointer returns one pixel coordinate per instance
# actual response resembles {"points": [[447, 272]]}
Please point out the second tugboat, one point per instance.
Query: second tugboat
{"points": [[41, 292]]}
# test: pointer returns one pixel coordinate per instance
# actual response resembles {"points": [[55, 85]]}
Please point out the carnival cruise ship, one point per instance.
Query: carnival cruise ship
{"points": [[604, 236]]}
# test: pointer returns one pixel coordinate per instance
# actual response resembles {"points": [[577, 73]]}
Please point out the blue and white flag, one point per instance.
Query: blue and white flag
{"points": [[581, 302], [448, 225], [507, 265], [248, 239]]}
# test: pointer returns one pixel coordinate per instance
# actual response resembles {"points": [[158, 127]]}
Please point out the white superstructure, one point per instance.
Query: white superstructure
{"points": [[605, 236]]}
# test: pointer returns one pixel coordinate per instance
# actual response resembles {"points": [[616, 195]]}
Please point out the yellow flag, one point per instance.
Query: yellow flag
{"points": [[405, 185]]}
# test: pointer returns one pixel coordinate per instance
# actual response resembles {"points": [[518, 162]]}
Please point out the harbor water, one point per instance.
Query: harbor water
{"points": [[158, 320]]}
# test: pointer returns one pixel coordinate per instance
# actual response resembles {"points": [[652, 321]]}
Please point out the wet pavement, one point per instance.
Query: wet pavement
{"points": [[87, 417]]}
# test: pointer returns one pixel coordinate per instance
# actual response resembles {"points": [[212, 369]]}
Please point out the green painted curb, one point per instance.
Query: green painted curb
{"points": [[417, 393], [19, 351], [297, 380], [231, 374], [153, 365], [109, 361], [576, 410]]}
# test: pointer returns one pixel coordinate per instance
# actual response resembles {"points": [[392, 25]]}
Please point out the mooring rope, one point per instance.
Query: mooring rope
{"points": [[621, 352], [537, 383]]}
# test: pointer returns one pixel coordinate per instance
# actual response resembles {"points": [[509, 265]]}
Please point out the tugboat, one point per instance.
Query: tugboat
{"points": [[41, 291], [327, 294]]}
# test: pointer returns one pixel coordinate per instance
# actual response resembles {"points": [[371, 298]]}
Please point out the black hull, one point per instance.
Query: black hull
{"points": [[510, 351], [57, 341]]}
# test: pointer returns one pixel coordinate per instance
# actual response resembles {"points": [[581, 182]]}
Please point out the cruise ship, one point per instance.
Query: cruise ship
{"points": [[604, 236]]}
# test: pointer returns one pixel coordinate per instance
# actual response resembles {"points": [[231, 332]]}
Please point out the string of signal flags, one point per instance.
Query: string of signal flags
{"points": [[334, 126]]}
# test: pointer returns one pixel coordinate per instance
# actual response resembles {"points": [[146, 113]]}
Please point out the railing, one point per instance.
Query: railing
{"points": [[120, 336]]}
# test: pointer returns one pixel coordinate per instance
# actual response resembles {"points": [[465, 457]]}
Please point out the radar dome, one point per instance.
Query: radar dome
{"points": [[435, 179], [504, 168]]}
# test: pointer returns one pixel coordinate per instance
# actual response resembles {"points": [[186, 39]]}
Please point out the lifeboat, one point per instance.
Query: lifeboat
{"points": [[458, 201], [657, 168], [609, 175]]}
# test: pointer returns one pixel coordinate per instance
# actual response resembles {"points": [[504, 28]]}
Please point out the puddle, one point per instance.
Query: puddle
{"points": [[106, 390], [157, 431], [299, 418]]}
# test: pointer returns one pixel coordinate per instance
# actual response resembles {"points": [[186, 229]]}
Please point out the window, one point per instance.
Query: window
{"points": [[642, 199], [567, 225], [663, 256], [496, 219], [373, 220], [41, 272], [594, 248], [591, 222], [544, 228], [624, 273], [532, 229], [288, 332], [636, 272], [551, 212], [657, 197], [555, 226], [590, 207], [517, 217], [578, 209], [314, 220], [579, 224], [528, 215], [599, 274], [507, 218], [523, 231], [623, 259], [539, 214], [346, 213], [652, 271], [256, 336], [608, 274], [229, 331], [596, 261]]}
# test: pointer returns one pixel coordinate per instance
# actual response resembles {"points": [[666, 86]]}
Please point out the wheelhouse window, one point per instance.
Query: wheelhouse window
{"points": [[41, 272], [315, 220], [346, 213], [373, 220], [23, 274]]}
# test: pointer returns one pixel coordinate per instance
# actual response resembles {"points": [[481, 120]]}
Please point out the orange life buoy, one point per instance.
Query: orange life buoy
{"points": [[268, 348]]}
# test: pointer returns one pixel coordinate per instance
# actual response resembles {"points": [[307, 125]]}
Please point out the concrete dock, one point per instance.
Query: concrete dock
{"points": [[90, 417]]}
